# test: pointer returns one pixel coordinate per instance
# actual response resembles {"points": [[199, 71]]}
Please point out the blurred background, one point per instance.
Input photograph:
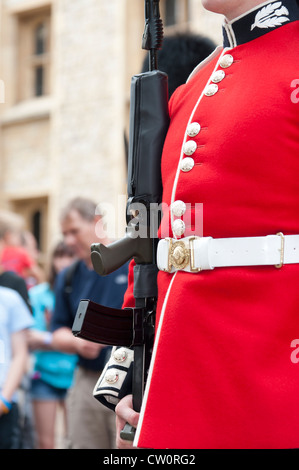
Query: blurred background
{"points": [[65, 72]]}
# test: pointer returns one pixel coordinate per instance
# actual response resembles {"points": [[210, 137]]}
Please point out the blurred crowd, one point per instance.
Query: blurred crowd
{"points": [[45, 372]]}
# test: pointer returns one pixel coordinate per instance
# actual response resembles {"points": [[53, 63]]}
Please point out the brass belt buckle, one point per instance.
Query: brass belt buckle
{"points": [[281, 250], [180, 255]]}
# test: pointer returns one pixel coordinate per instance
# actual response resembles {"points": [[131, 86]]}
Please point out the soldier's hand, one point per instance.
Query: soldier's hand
{"points": [[125, 414]]}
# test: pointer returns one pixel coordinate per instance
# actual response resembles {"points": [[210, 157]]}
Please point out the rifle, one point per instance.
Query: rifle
{"points": [[149, 121]]}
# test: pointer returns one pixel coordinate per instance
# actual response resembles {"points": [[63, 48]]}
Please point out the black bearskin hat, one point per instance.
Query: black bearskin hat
{"points": [[179, 55]]}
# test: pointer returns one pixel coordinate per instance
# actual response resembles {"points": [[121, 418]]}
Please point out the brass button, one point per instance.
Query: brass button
{"points": [[189, 147], [218, 76], [111, 377], [226, 61], [187, 164], [178, 227], [211, 89], [120, 355], [178, 208], [193, 129]]}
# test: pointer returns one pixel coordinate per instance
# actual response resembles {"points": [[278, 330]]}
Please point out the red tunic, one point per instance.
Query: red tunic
{"points": [[221, 374]]}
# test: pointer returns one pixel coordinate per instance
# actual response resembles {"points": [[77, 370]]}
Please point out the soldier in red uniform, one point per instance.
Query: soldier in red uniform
{"points": [[222, 374]]}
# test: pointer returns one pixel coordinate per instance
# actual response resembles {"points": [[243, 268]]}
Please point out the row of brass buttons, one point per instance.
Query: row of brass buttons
{"points": [[178, 208]]}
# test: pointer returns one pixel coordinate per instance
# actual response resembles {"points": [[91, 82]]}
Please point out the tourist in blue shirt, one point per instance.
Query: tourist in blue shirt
{"points": [[91, 425], [15, 318], [52, 370]]}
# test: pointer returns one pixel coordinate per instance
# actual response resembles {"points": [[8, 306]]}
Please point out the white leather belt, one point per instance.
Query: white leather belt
{"points": [[194, 254]]}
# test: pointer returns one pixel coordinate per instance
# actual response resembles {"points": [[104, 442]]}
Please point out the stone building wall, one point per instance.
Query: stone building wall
{"points": [[71, 141], [88, 115]]}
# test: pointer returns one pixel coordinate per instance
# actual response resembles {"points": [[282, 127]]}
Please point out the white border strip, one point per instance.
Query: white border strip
{"points": [[204, 62], [148, 382]]}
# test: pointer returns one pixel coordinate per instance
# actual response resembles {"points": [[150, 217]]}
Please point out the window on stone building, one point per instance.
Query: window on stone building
{"points": [[34, 54], [36, 224], [175, 12]]}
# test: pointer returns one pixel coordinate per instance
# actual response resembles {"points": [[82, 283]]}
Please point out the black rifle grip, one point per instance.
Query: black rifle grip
{"points": [[128, 432]]}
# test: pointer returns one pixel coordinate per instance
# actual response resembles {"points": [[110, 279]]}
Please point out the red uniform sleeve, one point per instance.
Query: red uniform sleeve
{"points": [[129, 300]]}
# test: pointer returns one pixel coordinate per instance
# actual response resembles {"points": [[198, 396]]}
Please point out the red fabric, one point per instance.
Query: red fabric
{"points": [[16, 259], [222, 373], [129, 300]]}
